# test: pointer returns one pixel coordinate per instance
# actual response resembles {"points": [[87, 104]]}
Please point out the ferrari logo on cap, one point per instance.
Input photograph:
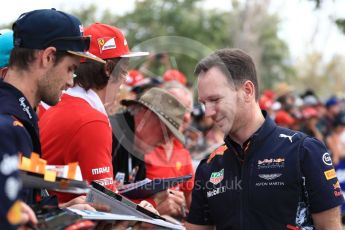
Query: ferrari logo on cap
{"points": [[101, 41], [106, 44]]}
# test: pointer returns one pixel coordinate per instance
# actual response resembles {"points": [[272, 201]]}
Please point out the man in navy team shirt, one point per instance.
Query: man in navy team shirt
{"points": [[48, 45], [264, 176]]}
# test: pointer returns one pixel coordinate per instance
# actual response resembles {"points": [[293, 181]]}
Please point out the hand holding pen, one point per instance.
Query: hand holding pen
{"points": [[183, 204], [133, 174]]}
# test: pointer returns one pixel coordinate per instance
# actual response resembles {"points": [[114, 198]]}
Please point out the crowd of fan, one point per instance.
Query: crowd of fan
{"points": [[322, 119]]}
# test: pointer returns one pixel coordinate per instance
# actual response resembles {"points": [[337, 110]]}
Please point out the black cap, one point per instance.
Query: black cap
{"points": [[40, 29]]}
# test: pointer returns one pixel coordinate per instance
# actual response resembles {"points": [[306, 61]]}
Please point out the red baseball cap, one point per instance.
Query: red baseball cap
{"points": [[174, 75], [265, 102], [284, 118], [134, 77], [109, 42], [309, 112]]}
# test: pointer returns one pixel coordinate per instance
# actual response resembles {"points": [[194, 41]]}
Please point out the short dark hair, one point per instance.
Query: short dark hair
{"points": [[235, 64], [23, 57], [92, 75]]}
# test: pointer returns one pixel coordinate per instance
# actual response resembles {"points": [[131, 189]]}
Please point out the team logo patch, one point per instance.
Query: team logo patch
{"points": [[336, 185], [326, 158], [217, 177], [337, 193], [106, 44], [282, 135], [330, 174], [271, 163], [270, 176]]}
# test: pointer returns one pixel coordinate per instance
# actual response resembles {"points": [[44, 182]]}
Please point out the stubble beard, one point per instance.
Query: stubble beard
{"points": [[47, 94]]}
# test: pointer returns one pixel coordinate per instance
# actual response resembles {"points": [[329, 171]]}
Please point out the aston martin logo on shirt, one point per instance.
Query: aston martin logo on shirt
{"points": [[270, 176]]}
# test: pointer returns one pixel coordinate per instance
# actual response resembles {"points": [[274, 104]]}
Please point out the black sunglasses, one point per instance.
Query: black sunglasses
{"points": [[84, 40]]}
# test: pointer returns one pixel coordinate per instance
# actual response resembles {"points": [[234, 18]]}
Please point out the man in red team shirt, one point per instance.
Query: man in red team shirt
{"points": [[172, 159], [78, 129]]}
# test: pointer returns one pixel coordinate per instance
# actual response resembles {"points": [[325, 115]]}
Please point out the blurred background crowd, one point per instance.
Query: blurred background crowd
{"points": [[304, 111]]}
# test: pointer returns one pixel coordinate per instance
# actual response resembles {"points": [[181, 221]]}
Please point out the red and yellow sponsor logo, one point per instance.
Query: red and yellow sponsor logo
{"points": [[219, 151], [330, 174], [337, 189], [336, 185], [17, 123], [338, 193]]}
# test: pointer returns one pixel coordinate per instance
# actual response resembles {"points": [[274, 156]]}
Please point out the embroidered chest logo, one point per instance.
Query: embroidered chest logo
{"points": [[269, 180], [271, 163], [270, 176], [287, 136], [217, 177]]}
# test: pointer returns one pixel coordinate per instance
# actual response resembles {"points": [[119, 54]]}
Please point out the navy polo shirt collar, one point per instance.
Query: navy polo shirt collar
{"points": [[259, 136]]}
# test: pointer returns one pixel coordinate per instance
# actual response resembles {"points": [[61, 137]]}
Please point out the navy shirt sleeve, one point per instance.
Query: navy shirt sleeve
{"points": [[322, 184], [199, 213]]}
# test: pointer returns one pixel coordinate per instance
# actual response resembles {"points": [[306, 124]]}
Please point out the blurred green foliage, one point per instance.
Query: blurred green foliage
{"points": [[194, 31]]}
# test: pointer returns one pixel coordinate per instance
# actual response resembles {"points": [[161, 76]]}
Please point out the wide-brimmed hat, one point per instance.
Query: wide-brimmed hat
{"points": [[168, 109]]}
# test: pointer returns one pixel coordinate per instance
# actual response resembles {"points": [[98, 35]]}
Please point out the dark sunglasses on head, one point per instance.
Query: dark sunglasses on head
{"points": [[85, 41]]}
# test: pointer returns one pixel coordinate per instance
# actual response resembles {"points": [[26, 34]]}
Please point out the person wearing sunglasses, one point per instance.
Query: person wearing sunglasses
{"points": [[48, 45]]}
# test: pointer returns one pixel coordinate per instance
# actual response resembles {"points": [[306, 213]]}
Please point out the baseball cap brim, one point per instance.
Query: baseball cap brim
{"points": [[135, 54], [175, 132], [87, 55]]}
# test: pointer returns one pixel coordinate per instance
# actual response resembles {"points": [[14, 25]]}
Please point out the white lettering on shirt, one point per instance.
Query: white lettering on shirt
{"points": [[100, 170]]}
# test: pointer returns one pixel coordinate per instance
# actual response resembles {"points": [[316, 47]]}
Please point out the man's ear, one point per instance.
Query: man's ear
{"points": [[107, 69], [48, 56], [249, 90]]}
